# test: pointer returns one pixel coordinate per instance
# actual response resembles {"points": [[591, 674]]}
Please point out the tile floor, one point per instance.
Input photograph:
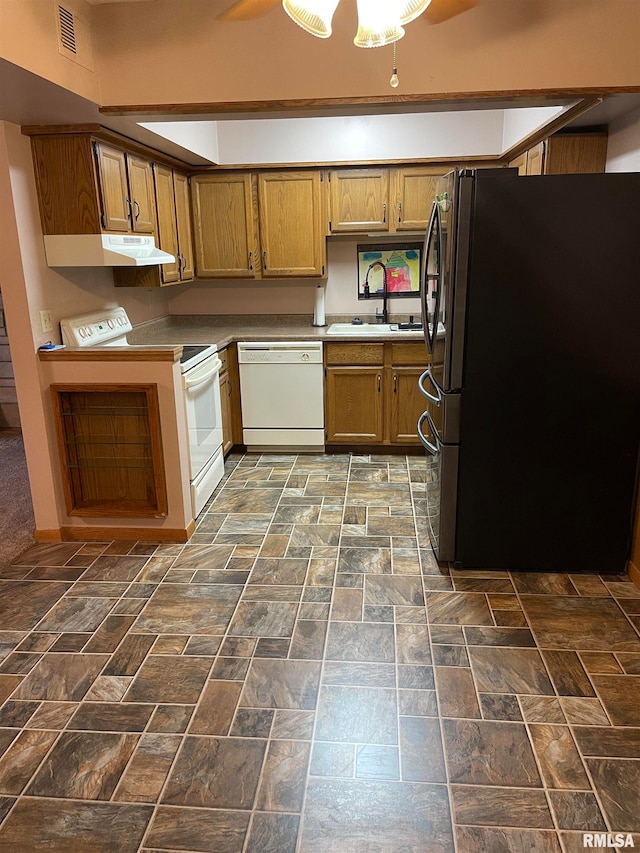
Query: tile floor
{"points": [[302, 676]]}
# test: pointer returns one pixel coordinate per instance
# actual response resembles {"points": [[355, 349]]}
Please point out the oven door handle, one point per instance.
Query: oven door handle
{"points": [[190, 381], [431, 448], [427, 375]]}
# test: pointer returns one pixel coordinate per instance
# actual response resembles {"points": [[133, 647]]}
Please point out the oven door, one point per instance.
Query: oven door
{"points": [[441, 484], [204, 412]]}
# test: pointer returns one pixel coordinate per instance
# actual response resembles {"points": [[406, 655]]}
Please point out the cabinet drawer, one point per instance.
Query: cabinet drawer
{"points": [[409, 353], [354, 353]]}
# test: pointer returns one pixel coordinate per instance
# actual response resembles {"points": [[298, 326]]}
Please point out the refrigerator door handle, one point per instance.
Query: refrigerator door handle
{"points": [[434, 399], [428, 446]]}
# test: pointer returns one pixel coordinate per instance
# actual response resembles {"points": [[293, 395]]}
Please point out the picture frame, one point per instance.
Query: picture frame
{"points": [[403, 262]]}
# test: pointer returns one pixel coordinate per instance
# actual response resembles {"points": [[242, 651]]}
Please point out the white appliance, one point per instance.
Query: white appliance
{"points": [[200, 368], [104, 250], [281, 386]]}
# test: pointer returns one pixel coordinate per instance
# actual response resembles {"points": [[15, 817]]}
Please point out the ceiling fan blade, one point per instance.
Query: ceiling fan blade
{"points": [[441, 10], [244, 10]]}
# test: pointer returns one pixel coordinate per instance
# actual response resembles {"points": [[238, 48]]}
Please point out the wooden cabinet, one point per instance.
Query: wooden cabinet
{"points": [[292, 234], [371, 392], [230, 399], [225, 214], [182, 194], [564, 154], [270, 225], [385, 200], [110, 450], [126, 190], [167, 223], [359, 200]]}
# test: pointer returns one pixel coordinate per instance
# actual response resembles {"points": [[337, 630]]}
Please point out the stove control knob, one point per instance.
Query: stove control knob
{"points": [[110, 324], [82, 333]]}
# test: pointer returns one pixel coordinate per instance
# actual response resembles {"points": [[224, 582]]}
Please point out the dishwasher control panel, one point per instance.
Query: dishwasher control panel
{"points": [[280, 353]]}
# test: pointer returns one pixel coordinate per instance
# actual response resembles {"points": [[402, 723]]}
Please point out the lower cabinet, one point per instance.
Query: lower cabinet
{"points": [[230, 399], [371, 392]]}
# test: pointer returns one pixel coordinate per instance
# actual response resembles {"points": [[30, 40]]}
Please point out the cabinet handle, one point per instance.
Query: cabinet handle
{"points": [[137, 213], [399, 212], [128, 202], [395, 383], [264, 259], [251, 261], [384, 213], [379, 383]]}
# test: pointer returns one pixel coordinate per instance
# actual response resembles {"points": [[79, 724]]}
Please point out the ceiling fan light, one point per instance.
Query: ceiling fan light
{"points": [[378, 23], [411, 9], [314, 16]]}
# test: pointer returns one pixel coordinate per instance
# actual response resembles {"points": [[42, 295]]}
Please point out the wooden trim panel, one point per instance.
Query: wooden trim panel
{"points": [[130, 353], [634, 573], [131, 534]]}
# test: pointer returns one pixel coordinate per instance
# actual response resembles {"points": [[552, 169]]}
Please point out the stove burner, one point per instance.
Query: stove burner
{"points": [[190, 352]]}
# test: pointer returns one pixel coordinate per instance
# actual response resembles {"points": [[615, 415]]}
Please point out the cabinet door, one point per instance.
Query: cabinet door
{"points": [[225, 217], [359, 200], [415, 192], [141, 194], [405, 404], [167, 230], [227, 422], [291, 225], [114, 193], [535, 160], [520, 163], [575, 153], [353, 397], [183, 224]]}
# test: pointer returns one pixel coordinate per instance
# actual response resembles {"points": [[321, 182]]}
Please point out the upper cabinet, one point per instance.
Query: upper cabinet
{"points": [[225, 216], [563, 154], [292, 225], [266, 225], [384, 200], [125, 182]]}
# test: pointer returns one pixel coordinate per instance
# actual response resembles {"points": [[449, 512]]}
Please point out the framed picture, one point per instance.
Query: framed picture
{"points": [[402, 262]]}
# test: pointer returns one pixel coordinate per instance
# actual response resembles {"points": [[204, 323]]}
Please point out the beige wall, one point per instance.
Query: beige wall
{"points": [[29, 38], [169, 52]]}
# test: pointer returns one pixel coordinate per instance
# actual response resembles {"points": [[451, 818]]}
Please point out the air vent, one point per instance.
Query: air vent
{"points": [[67, 29]]}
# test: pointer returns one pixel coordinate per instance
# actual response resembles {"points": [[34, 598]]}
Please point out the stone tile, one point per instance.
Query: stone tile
{"points": [[584, 624], [347, 605], [377, 762], [512, 637], [619, 695], [16, 714], [315, 534], [447, 634], [476, 839], [237, 647], [488, 585], [146, 774], [264, 619], [252, 722], [364, 815], [293, 725], [130, 655], [510, 618], [393, 589], [171, 718], [114, 568], [24, 603], [484, 806], [450, 656], [19, 663], [415, 676], [229, 669], [541, 709], [359, 674], [568, 674], [111, 716], [108, 688], [584, 711], [283, 777], [61, 677], [189, 609], [84, 765], [334, 759], [365, 560], [500, 706], [246, 501], [214, 772], [275, 683], [196, 829], [543, 583], [417, 703], [612, 743], [360, 641], [6, 804], [9, 683], [21, 760], [151, 684], [308, 639], [504, 670], [490, 753], [75, 827], [52, 715], [276, 570], [109, 635], [421, 750], [617, 782], [272, 833], [270, 647], [558, 757], [577, 810], [456, 692], [216, 708], [458, 608], [272, 592], [357, 715]]}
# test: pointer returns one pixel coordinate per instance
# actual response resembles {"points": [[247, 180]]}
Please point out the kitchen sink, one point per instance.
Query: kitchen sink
{"points": [[369, 329]]}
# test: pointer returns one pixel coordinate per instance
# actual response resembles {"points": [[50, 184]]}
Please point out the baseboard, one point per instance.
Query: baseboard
{"points": [[131, 534], [634, 573], [47, 536]]}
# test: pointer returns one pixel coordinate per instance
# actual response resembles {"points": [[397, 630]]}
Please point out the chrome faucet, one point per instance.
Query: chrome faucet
{"points": [[383, 317]]}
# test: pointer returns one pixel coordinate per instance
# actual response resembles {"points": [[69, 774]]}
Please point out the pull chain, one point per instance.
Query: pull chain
{"points": [[394, 81]]}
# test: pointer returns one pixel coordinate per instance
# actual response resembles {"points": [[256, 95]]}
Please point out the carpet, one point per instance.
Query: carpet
{"points": [[16, 510]]}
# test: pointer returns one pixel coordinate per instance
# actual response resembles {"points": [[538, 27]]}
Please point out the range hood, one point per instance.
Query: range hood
{"points": [[103, 250]]}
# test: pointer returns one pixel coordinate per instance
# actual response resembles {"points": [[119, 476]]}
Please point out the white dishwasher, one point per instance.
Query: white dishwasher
{"points": [[282, 392]]}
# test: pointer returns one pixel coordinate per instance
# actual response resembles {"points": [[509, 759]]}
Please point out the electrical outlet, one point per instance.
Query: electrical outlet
{"points": [[46, 321]]}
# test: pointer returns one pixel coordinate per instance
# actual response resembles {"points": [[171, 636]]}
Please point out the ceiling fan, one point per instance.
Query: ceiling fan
{"points": [[436, 11]]}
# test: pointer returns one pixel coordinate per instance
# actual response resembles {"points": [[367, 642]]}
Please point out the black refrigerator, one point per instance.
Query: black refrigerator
{"points": [[531, 308]]}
